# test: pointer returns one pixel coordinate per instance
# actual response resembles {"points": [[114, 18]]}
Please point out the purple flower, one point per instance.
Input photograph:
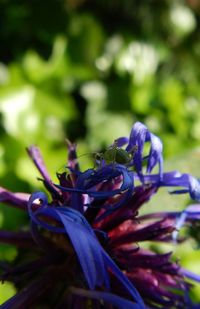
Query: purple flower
{"points": [[85, 243]]}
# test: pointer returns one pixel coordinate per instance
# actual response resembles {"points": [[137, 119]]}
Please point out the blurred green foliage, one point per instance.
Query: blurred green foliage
{"points": [[86, 70]]}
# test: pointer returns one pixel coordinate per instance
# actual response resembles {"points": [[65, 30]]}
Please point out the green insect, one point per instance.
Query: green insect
{"points": [[115, 154], [112, 155]]}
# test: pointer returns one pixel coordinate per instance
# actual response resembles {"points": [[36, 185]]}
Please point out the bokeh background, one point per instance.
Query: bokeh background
{"points": [[86, 70]]}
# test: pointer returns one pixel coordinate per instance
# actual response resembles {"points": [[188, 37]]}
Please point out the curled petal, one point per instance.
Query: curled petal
{"points": [[83, 239], [88, 251], [191, 185], [92, 257], [138, 137], [87, 181], [121, 141], [194, 188], [155, 155], [188, 183]]}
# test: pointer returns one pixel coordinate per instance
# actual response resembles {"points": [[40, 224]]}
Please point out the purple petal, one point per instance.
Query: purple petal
{"points": [[29, 295], [191, 184], [129, 210], [121, 141], [36, 156], [81, 235], [88, 251], [155, 156], [18, 200], [72, 156], [138, 137], [188, 183], [91, 178], [19, 239], [192, 212], [124, 280], [194, 188], [154, 231], [15, 273], [145, 260], [190, 274], [36, 210], [92, 257], [113, 299]]}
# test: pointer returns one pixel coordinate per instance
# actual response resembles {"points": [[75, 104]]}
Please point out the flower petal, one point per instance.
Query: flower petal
{"points": [[91, 178], [36, 156], [18, 200], [83, 239], [88, 251], [19, 239], [113, 299], [124, 280], [138, 137]]}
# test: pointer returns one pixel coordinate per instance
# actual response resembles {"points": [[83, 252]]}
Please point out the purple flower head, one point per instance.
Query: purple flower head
{"points": [[85, 246]]}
